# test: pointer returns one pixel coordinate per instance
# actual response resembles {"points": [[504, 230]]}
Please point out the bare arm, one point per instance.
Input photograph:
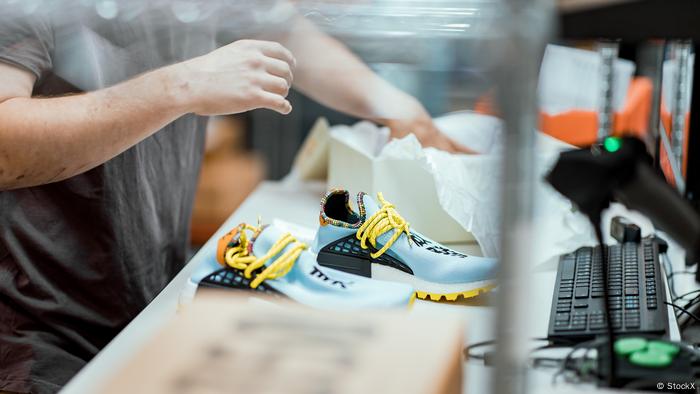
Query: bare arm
{"points": [[331, 74], [50, 139], [44, 140]]}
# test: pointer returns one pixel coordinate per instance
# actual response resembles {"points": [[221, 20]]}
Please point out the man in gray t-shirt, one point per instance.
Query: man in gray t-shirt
{"points": [[101, 139]]}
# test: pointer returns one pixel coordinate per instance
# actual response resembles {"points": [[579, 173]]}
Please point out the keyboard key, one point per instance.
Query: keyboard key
{"points": [[632, 286], [566, 328], [632, 323], [567, 269], [582, 292]]}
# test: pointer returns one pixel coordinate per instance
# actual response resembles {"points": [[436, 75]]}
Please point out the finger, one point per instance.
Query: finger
{"points": [[444, 144], [276, 85], [448, 144], [439, 141], [280, 69], [459, 148], [277, 51], [274, 102]]}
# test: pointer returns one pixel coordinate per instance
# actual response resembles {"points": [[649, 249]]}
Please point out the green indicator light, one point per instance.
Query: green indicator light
{"points": [[650, 359], [663, 347], [627, 346], [612, 144]]}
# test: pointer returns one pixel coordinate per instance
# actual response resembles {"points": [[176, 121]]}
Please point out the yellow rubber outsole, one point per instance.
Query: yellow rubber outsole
{"points": [[412, 301], [424, 295]]}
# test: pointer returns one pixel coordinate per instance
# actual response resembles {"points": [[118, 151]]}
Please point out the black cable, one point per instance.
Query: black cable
{"points": [[682, 296], [606, 298], [684, 310], [692, 303], [688, 305], [669, 270], [672, 274], [565, 362], [469, 355], [681, 272], [467, 349], [546, 362], [585, 359], [672, 288], [669, 277]]}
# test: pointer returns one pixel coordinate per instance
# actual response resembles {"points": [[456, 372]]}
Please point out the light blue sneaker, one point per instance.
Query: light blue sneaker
{"points": [[377, 242], [267, 260]]}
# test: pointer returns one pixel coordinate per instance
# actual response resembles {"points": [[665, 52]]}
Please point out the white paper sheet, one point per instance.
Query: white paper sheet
{"points": [[570, 79]]}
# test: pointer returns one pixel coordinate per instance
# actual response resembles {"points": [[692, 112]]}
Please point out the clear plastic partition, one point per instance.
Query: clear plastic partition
{"points": [[464, 69]]}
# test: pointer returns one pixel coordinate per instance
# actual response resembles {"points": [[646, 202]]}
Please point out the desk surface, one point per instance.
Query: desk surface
{"points": [[299, 203]]}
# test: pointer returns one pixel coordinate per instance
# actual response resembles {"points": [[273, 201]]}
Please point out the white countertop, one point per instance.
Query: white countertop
{"points": [[299, 203]]}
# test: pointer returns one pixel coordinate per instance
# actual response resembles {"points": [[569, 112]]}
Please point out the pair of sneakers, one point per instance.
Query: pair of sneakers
{"points": [[369, 258]]}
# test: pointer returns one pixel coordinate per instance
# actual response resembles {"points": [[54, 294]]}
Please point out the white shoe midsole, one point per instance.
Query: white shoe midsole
{"points": [[382, 272]]}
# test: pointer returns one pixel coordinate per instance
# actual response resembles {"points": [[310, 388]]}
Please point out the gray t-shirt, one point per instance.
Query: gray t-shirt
{"points": [[81, 257]]}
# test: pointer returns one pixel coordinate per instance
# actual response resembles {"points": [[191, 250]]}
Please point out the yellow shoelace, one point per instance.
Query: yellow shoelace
{"points": [[239, 257], [385, 219]]}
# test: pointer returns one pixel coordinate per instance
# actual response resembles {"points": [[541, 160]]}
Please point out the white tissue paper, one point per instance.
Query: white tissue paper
{"points": [[468, 186]]}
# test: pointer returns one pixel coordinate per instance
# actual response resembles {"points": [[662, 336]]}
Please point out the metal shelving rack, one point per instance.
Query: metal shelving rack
{"points": [[643, 21], [608, 22]]}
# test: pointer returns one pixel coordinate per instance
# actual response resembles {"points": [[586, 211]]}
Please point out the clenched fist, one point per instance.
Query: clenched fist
{"points": [[238, 77]]}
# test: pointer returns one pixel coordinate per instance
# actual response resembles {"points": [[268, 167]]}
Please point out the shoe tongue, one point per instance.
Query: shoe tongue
{"points": [[366, 201], [264, 241]]}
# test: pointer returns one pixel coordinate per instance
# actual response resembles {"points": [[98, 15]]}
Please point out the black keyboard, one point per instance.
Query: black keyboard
{"points": [[635, 288]]}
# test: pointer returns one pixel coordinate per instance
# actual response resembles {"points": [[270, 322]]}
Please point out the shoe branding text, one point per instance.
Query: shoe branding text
{"points": [[435, 248], [319, 274]]}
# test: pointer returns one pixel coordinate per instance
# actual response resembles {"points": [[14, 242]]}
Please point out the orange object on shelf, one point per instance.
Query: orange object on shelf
{"points": [[580, 127]]}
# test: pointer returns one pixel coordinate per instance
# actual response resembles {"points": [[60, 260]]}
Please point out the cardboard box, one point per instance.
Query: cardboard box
{"points": [[222, 344], [405, 183]]}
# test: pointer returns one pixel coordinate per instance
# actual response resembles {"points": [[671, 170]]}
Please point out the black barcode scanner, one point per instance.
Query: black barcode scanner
{"points": [[621, 169]]}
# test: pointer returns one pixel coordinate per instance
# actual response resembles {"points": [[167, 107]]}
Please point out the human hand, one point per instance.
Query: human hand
{"points": [[239, 77], [419, 122]]}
